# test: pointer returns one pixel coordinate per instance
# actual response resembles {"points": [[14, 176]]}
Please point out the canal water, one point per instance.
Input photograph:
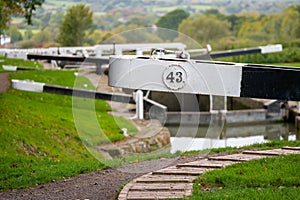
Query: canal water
{"points": [[188, 138]]}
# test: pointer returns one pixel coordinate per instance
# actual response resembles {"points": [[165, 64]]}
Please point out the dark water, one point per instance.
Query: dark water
{"points": [[187, 138]]}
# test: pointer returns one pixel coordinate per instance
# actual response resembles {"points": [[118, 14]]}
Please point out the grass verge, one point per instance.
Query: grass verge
{"points": [[19, 63], [288, 64], [38, 138], [268, 178], [263, 146]]}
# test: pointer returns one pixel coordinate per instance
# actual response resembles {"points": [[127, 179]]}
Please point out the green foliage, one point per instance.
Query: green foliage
{"points": [[288, 55], [17, 7], [135, 35], [276, 27], [42, 36], [76, 21], [244, 30], [27, 35], [171, 21], [250, 24], [205, 28], [96, 37], [267, 178], [15, 34]]}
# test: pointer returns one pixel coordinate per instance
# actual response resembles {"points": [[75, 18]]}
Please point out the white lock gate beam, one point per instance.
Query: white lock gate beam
{"points": [[204, 77]]}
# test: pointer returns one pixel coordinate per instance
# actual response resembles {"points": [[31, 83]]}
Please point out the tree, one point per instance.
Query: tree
{"points": [[171, 21], [97, 36], [205, 28], [24, 8], [15, 34], [76, 22], [42, 37], [290, 26], [28, 35]]}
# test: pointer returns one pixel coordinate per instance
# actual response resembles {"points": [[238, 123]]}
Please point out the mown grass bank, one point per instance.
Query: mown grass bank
{"points": [[267, 178], [19, 63], [39, 142]]}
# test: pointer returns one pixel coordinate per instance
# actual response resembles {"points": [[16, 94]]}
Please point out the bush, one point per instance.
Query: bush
{"points": [[288, 55]]}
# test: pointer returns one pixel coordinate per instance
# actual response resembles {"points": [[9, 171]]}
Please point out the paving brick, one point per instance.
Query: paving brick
{"points": [[166, 179], [180, 171], [147, 195], [177, 181], [265, 152], [161, 186], [292, 148], [273, 152], [206, 163], [238, 157]]}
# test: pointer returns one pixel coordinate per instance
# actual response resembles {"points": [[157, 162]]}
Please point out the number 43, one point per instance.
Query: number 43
{"points": [[177, 77]]}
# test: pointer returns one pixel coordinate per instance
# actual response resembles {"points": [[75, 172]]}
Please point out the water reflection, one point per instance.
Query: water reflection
{"points": [[187, 138]]}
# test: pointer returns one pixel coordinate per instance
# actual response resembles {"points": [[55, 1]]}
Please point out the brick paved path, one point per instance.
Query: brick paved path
{"points": [[177, 181]]}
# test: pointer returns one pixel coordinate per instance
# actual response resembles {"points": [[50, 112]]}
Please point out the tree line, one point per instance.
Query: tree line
{"points": [[79, 27]]}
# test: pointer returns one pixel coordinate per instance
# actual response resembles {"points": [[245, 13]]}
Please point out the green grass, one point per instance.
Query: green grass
{"points": [[288, 64], [24, 172], [263, 146], [38, 128], [34, 31], [19, 63], [93, 123], [39, 141], [38, 135], [55, 77], [268, 178]]}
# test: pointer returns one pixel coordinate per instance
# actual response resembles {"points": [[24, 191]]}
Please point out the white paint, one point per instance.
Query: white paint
{"points": [[54, 64], [215, 78], [139, 47], [209, 49], [5, 39], [9, 67], [139, 104], [125, 132], [27, 85], [174, 77], [271, 48]]}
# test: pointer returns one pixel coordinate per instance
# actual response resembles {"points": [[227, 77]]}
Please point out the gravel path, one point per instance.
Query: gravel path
{"points": [[102, 184]]}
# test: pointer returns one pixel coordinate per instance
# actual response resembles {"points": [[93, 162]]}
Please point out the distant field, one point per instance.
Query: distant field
{"points": [[34, 31], [168, 9], [59, 3]]}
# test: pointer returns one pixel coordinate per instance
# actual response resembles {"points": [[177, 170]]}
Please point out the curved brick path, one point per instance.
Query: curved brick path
{"points": [[177, 181]]}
